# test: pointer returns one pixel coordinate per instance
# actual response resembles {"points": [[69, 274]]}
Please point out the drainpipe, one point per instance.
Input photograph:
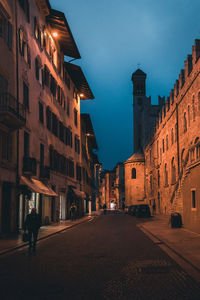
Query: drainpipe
{"points": [[17, 83]]}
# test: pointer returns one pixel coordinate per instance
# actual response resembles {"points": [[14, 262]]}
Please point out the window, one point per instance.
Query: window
{"points": [[133, 175], [151, 182], [54, 124], [193, 199], [38, 70], [25, 6], [163, 145], [6, 143], [172, 136], [46, 76], [24, 49], [68, 137], [26, 144], [173, 171], [188, 115], [77, 144], [75, 118], [53, 85], [158, 178], [37, 32], [6, 30], [61, 131], [41, 155], [166, 175], [41, 113], [184, 122], [25, 95], [48, 118], [193, 109], [78, 172], [167, 145]]}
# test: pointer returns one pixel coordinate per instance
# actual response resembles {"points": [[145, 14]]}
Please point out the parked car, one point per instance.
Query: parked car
{"points": [[132, 210], [142, 211]]}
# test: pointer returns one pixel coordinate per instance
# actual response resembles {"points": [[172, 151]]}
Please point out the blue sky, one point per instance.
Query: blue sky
{"points": [[113, 37]]}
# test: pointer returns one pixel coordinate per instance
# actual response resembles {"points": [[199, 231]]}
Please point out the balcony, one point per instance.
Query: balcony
{"points": [[45, 172], [29, 166], [12, 113]]}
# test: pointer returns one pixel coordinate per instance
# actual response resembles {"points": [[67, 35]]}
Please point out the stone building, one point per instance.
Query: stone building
{"points": [[40, 126], [12, 117], [119, 185], [91, 167], [171, 150]]}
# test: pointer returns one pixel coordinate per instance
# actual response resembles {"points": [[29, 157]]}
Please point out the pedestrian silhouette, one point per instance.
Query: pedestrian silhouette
{"points": [[73, 209], [32, 224]]}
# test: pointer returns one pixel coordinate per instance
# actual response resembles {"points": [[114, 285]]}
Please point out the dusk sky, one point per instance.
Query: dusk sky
{"points": [[113, 37]]}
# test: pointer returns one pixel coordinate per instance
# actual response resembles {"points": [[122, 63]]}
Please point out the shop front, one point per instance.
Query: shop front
{"points": [[35, 194], [77, 197]]}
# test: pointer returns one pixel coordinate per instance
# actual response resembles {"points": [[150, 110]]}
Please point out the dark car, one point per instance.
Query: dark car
{"points": [[132, 210], [142, 211]]}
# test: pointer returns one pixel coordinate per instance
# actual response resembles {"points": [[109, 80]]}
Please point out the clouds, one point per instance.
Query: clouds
{"points": [[113, 36]]}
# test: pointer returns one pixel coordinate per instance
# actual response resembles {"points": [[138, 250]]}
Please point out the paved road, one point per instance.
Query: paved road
{"points": [[108, 258]]}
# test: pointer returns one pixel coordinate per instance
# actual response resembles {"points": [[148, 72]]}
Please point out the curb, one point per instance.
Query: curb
{"points": [[159, 241], [9, 250]]}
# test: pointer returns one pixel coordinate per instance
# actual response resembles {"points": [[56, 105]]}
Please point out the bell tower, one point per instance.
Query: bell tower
{"points": [[139, 101]]}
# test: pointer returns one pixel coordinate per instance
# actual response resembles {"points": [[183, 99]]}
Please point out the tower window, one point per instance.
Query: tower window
{"points": [[133, 173]]}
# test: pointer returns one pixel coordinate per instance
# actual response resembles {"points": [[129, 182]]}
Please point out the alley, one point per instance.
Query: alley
{"points": [[107, 258]]}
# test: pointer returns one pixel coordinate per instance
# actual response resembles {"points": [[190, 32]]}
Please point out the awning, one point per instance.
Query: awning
{"points": [[37, 186], [78, 78], [58, 23], [79, 194]]}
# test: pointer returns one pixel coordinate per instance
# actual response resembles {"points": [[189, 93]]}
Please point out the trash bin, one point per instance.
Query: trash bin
{"points": [[176, 220]]}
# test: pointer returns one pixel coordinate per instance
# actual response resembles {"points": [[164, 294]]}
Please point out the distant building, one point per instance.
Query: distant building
{"points": [[119, 185]]}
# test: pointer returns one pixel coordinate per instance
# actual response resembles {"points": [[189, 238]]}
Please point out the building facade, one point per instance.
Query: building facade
{"points": [[119, 185], [41, 153], [171, 150]]}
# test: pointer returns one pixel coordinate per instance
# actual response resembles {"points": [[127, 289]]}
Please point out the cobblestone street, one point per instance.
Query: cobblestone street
{"points": [[107, 258]]}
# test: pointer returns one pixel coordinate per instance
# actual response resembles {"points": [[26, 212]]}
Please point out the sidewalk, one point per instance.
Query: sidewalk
{"points": [[183, 242], [14, 241]]}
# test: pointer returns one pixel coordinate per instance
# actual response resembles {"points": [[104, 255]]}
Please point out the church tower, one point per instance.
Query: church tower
{"points": [[139, 102]]}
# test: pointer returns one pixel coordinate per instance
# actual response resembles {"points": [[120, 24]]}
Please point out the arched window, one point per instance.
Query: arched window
{"points": [[166, 175], [172, 136], [182, 157], [184, 122], [158, 178], [133, 173], [193, 108], [188, 115], [173, 171]]}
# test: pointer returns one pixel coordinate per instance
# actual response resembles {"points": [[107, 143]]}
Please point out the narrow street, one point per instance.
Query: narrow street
{"points": [[107, 258]]}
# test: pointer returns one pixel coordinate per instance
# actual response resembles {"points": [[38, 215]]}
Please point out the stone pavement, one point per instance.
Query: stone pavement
{"points": [[183, 242], [14, 241]]}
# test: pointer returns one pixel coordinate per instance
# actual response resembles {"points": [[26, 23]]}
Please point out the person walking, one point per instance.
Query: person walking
{"points": [[104, 208], [32, 224], [73, 212]]}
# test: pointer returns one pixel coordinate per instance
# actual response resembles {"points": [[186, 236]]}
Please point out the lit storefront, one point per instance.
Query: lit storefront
{"points": [[35, 194]]}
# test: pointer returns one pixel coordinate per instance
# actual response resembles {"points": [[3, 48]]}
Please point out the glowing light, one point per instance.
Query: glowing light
{"points": [[81, 95], [55, 34]]}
